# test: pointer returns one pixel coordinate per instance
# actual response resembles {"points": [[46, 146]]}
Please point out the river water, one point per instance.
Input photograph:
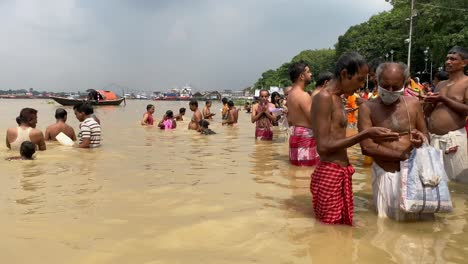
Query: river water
{"points": [[153, 196]]}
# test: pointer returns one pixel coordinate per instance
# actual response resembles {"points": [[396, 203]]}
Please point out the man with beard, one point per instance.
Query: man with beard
{"points": [[302, 149], [447, 115], [262, 117], [402, 114]]}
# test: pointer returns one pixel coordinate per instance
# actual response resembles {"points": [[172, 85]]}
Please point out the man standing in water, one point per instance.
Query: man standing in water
{"points": [[447, 115], [26, 131], [330, 184], [90, 130], [232, 114], [148, 119], [60, 126], [402, 114], [196, 117], [262, 117], [302, 149], [206, 111]]}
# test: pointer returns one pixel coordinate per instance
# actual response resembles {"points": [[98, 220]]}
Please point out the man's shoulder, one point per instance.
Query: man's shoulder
{"points": [[35, 131]]}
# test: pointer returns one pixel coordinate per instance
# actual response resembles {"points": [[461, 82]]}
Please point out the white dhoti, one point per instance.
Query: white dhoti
{"points": [[455, 163], [386, 188]]}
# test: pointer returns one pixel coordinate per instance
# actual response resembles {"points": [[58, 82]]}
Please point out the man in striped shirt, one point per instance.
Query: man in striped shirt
{"points": [[90, 130]]}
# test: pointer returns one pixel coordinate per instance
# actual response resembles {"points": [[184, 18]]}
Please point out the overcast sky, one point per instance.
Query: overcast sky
{"points": [[74, 45]]}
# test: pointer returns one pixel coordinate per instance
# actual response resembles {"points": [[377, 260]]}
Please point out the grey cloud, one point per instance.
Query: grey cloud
{"points": [[155, 45]]}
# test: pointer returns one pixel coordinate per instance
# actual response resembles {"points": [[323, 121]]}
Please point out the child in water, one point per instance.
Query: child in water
{"points": [[27, 151], [168, 121], [204, 128]]}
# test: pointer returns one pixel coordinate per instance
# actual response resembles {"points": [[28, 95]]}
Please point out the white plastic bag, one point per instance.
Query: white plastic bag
{"points": [[424, 188]]}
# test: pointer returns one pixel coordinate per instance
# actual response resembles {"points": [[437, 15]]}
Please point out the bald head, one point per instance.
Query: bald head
{"points": [[392, 75]]}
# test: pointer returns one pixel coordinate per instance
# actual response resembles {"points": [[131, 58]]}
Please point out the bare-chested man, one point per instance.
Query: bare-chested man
{"points": [[302, 149], [330, 184], [196, 117], [26, 131], [447, 115], [206, 111], [401, 114], [233, 114], [60, 126], [262, 117]]}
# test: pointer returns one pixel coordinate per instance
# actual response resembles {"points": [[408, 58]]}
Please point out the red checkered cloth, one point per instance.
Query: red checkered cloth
{"points": [[332, 193], [263, 133], [302, 147]]}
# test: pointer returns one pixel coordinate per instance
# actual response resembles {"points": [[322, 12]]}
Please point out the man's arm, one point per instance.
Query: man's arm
{"points": [[47, 134], [368, 146], [39, 138], [73, 134], [85, 136], [255, 116], [174, 124], [144, 120], [326, 143], [7, 142]]}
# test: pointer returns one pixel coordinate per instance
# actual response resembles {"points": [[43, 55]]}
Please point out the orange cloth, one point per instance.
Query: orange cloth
{"points": [[352, 104]]}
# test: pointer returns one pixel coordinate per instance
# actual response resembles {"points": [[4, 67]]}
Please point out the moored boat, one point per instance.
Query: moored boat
{"points": [[67, 101]]}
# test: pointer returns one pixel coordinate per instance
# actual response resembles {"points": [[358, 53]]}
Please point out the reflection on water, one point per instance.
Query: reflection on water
{"points": [[156, 196]]}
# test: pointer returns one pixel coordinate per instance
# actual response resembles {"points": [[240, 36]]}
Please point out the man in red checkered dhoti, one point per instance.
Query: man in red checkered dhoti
{"points": [[331, 184], [332, 193], [302, 149]]}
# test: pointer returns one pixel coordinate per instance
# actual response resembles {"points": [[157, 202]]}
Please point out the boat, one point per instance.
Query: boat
{"points": [[104, 98], [66, 101]]}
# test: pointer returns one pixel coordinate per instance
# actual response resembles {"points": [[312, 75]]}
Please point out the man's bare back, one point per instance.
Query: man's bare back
{"points": [[299, 108], [35, 135], [444, 118], [53, 130]]}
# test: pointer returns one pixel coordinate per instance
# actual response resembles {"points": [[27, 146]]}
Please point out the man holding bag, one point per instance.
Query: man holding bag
{"points": [[401, 114]]}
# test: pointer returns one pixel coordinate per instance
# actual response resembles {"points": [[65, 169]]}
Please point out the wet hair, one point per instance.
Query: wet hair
{"points": [[323, 77], [230, 103], [441, 75], [208, 102], [204, 123], [247, 103], [296, 69], [224, 100], [84, 107], [385, 65], [148, 107], [351, 62], [273, 95], [463, 52], [60, 114], [26, 115], [182, 110], [193, 102], [27, 149], [169, 114]]}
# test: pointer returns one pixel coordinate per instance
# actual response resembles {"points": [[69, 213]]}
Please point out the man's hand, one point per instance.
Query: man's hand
{"points": [[417, 138], [433, 98], [379, 134]]}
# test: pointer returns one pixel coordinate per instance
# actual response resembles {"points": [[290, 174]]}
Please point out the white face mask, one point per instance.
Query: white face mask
{"points": [[389, 97]]}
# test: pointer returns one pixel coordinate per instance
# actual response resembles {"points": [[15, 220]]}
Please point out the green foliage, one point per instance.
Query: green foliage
{"points": [[318, 61], [439, 25]]}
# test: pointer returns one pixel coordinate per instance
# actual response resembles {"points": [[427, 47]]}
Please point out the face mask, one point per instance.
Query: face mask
{"points": [[389, 97]]}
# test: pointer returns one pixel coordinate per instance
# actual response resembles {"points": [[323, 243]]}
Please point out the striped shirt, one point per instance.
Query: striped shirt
{"points": [[89, 128]]}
